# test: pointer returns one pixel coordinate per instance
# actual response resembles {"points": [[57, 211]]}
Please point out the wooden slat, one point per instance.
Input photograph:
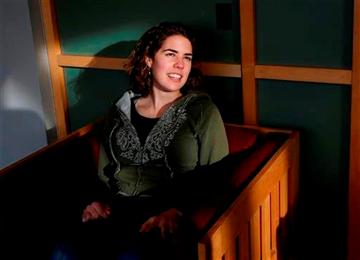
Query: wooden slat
{"points": [[283, 196], [230, 227], [78, 61], [247, 32], [283, 228], [318, 75], [217, 69], [208, 68], [231, 251], [244, 246], [354, 174], [275, 219], [265, 229], [220, 69], [56, 72], [202, 251], [255, 236]]}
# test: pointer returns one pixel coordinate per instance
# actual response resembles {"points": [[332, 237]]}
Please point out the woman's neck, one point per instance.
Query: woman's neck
{"points": [[156, 103]]}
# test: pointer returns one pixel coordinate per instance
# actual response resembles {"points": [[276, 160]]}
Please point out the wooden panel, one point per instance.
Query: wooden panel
{"points": [[247, 205], [354, 174], [56, 72], [320, 75], [247, 32]]}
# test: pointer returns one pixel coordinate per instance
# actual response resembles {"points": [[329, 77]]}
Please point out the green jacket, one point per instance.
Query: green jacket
{"points": [[189, 134]]}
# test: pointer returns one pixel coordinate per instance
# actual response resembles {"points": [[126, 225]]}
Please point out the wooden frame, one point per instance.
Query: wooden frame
{"points": [[247, 32], [56, 72], [249, 71]]}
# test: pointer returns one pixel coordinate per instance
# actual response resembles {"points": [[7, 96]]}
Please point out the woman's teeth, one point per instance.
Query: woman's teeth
{"points": [[174, 76]]}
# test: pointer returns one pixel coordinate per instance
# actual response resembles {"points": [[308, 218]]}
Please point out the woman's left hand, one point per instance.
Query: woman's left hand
{"points": [[166, 221]]}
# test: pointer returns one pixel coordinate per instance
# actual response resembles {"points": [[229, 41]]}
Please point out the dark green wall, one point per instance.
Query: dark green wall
{"points": [[89, 26], [311, 33], [321, 113], [304, 32], [289, 32]]}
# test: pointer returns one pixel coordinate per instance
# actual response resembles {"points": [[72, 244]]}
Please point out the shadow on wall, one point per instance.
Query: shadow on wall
{"points": [[94, 90], [20, 135], [91, 92]]}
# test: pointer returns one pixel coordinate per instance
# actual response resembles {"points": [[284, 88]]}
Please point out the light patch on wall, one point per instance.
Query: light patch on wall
{"points": [[22, 126], [14, 98]]}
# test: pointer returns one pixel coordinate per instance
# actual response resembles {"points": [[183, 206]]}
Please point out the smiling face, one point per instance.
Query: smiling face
{"points": [[171, 64]]}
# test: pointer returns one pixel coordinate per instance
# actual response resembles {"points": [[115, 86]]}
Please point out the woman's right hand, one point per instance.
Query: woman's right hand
{"points": [[96, 210]]}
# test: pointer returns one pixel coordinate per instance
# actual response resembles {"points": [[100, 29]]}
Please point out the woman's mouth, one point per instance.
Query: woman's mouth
{"points": [[174, 76]]}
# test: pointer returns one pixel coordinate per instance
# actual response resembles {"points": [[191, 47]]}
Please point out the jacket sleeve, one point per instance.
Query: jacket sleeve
{"points": [[213, 144], [201, 182]]}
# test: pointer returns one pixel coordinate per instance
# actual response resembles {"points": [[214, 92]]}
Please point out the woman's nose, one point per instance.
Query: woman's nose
{"points": [[179, 63]]}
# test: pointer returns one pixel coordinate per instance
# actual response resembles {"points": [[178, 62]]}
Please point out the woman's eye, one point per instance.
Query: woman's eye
{"points": [[188, 58], [170, 54]]}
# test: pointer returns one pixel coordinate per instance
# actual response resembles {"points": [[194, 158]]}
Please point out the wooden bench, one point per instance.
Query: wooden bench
{"points": [[40, 196]]}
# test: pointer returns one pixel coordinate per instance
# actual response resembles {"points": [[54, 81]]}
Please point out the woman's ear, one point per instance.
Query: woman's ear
{"points": [[148, 61]]}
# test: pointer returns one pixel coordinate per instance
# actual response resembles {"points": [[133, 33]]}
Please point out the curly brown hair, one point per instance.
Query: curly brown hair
{"points": [[151, 41]]}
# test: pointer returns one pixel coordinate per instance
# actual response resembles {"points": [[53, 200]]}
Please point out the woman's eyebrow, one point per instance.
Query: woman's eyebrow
{"points": [[172, 50], [175, 51]]}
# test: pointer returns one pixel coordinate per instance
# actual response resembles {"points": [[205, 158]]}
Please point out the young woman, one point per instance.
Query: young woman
{"points": [[156, 132]]}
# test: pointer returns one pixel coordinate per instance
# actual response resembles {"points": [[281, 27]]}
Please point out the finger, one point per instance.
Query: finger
{"points": [[92, 212], [164, 228], [143, 227], [107, 209], [85, 216], [101, 212], [171, 227], [148, 225], [96, 210], [174, 225]]}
